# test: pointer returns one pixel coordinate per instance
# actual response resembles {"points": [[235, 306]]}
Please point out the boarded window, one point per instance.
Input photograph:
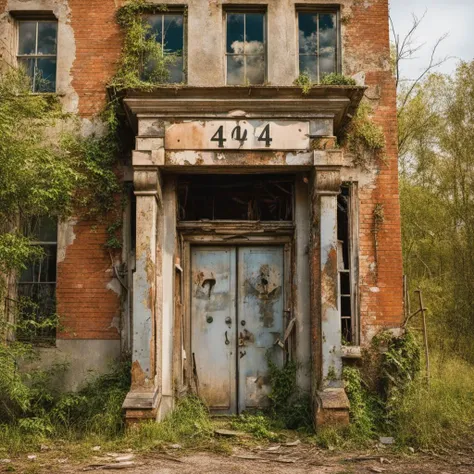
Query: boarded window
{"points": [[168, 29], [37, 285], [252, 197], [245, 48], [37, 48], [318, 40]]}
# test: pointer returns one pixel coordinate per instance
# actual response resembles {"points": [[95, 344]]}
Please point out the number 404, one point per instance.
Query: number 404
{"points": [[241, 135]]}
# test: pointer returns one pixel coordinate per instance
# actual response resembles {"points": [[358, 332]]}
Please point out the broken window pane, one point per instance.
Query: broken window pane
{"points": [[317, 36], [168, 30], [37, 53], [245, 49], [216, 197]]}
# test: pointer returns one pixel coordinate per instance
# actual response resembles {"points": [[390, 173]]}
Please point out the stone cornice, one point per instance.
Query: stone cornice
{"points": [[336, 102]]}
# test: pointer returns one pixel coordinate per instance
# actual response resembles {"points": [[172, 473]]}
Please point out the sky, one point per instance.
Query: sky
{"points": [[454, 17]]}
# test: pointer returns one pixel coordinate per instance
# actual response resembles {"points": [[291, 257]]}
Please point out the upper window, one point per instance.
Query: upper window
{"points": [[245, 48], [318, 40], [168, 29], [37, 47]]}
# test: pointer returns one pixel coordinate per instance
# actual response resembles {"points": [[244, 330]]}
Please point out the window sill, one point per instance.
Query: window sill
{"points": [[351, 352]]}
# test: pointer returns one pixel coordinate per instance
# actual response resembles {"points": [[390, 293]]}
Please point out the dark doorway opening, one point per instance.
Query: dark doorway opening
{"points": [[236, 197]]}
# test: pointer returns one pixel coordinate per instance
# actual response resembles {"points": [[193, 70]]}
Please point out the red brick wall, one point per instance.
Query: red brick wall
{"points": [[367, 48], [98, 46], [87, 308]]}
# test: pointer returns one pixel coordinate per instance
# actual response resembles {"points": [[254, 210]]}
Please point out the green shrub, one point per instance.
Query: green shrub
{"points": [[304, 81], [365, 410], [335, 79], [288, 403]]}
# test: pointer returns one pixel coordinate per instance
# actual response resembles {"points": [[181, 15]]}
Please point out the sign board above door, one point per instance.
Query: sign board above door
{"points": [[237, 135]]}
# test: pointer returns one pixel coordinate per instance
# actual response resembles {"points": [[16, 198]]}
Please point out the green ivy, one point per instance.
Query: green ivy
{"points": [[289, 405], [143, 64], [365, 139]]}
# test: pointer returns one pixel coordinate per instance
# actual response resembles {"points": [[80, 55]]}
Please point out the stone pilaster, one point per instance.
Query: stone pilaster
{"points": [[142, 402], [332, 405]]}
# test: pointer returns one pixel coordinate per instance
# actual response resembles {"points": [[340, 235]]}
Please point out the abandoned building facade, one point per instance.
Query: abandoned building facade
{"points": [[248, 232]]}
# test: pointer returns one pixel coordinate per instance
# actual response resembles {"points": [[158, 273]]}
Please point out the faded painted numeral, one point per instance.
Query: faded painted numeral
{"points": [[219, 137], [238, 135], [265, 136]]}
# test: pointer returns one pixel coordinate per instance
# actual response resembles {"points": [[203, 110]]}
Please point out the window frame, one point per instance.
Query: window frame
{"points": [[247, 10], [353, 263], [38, 19], [177, 11], [49, 339], [319, 10]]}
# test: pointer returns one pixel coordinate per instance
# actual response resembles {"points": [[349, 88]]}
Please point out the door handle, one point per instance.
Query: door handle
{"points": [[227, 342], [242, 353]]}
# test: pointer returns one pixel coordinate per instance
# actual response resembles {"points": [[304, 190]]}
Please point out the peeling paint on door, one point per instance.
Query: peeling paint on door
{"points": [[237, 318]]}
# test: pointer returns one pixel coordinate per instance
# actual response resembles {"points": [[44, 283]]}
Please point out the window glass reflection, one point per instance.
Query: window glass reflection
{"points": [[317, 36], [245, 48]]}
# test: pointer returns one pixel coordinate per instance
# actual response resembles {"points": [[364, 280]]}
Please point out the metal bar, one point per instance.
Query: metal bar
{"points": [[317, 49], [425, 334]]}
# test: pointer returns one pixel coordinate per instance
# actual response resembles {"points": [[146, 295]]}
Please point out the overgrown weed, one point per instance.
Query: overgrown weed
{"points": [[441, 413], [259, 425], [188, 424]]}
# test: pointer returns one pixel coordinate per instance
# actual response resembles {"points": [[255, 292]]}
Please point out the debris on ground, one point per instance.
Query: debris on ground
{"points": [[293, 443], [387, 440], [231, 433]]}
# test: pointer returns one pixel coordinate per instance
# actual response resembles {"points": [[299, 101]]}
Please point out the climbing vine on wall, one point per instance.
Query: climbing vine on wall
{"points": [[364, 138], [143, 64]]}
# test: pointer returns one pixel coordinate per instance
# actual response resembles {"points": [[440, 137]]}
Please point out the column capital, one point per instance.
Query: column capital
{"points": [[147, 182], [327, 181]]}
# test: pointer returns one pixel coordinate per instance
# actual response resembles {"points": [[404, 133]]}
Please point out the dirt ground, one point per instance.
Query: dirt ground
{"points": [[277, 459]]}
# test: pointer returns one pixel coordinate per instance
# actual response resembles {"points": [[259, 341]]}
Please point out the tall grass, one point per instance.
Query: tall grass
{"points": [[188, 424], [441, 413]]}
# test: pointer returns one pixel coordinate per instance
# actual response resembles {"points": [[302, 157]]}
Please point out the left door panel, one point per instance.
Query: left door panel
{"points": [[213, 320]]}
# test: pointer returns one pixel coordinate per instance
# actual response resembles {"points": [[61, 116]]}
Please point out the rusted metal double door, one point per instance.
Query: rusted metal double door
{"points": [[237, 313]]}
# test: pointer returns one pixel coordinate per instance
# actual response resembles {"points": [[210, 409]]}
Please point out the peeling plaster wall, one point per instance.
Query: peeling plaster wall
{"points": [[301, 283], [66, 51], [84, 358], [169, 240]]}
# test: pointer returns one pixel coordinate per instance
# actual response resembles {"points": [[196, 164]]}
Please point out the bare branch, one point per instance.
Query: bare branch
{"points": [[406, 49]]}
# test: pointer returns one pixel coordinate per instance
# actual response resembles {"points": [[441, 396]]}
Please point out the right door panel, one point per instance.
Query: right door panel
{"points": [[260, 310]]}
